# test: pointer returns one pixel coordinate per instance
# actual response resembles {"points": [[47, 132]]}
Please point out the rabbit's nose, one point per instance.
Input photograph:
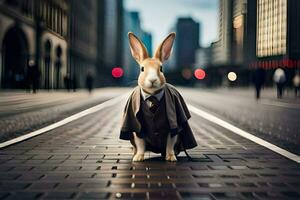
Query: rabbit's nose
{"points": [[153, 80]]}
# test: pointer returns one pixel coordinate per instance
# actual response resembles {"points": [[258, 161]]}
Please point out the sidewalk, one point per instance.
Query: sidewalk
{"points": [[266, 93], [16, 102], [22, 112]]}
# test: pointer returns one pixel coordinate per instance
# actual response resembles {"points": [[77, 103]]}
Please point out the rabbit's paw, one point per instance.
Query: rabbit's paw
{"points": [[138, 157], [171, 157]]}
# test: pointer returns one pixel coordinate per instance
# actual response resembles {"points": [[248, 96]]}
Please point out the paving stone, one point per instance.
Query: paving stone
{"points": [[30, 177], [60, 195], [94, 195], [5, 177], [12, 186], [43, 186], [25, 195]]}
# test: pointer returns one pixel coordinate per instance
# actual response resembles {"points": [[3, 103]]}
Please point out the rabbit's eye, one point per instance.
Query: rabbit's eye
{"points": [[160, 68], [142, 69]]}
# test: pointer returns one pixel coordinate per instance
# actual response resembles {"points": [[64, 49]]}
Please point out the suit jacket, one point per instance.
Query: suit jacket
{"points": [[177, 114]]}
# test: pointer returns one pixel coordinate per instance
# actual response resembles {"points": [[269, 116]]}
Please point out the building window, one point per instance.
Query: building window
{"points": [[271, 27]]}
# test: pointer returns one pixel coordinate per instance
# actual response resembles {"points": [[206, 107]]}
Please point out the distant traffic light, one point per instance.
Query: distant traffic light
{"points": [[199, 74], [117, 72]]}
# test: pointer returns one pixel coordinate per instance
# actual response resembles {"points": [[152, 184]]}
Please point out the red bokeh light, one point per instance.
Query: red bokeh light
{"points": [[199, 74], [117, 72]]}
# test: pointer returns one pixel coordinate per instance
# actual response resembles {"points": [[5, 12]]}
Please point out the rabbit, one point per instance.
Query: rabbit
{"points": [[152, 82], [151, 79]]}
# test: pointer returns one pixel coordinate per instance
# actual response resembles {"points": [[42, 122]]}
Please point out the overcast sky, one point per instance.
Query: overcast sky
{"points": [[159, 16]]}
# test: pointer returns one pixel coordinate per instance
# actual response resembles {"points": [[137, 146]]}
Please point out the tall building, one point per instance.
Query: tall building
{"points": [[277, 28], [132, 23], [33, 30], [239, 12], [147, 39], [221, 52], [203, 58], [272, 28], [83, 40], [110, 42], [236, 45], [171, 63], [250, 20], [278, 33], [131, 69], [235, 48], [186, 42], [244, 32]]}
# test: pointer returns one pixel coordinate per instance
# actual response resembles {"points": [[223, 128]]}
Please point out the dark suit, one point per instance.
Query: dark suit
{"points": [[176, 113]]}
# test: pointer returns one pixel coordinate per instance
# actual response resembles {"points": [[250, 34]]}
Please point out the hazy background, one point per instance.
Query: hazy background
{"points": [[159, 16]]}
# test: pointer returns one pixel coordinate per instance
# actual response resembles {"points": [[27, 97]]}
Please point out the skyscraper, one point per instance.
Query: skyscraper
{"points": [[278, 33], [147, 39], [83, 40], [221, 52], [271, 28], [110, 38], [187, 42], [244, 32], [132, 23]]}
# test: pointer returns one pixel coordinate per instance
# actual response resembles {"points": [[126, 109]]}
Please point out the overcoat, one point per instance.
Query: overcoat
{"points": [[176, 111]]}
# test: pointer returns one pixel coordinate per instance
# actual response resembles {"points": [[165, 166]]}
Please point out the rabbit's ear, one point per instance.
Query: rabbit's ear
{"points": [[138, 49], [164, 50]]}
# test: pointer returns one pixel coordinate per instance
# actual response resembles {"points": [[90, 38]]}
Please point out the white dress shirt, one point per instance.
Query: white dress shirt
{"points": [[145, 96]]}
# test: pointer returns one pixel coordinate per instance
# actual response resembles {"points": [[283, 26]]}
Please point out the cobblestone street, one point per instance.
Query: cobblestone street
{"points": [[85, 160]]}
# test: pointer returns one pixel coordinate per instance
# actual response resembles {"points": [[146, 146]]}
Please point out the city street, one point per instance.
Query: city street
{"points": [[84, 159], [67, 69]]}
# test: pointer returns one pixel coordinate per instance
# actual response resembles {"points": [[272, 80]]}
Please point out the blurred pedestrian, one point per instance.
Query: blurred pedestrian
{"points": [[279, 78], [89, 81], [296, 83], [33, 76], [67, 82], [74, 82], [258, 80], [29, 74]]}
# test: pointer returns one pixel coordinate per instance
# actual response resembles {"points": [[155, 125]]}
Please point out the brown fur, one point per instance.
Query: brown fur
{"points": [[139, 52], [149, 63]]}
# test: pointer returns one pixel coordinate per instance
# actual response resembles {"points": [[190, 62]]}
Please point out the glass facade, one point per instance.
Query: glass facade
{"points": [[271, 28]]}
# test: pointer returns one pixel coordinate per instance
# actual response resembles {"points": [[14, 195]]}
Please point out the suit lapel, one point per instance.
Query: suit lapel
{"points": [[136, 100], [170, 108]]}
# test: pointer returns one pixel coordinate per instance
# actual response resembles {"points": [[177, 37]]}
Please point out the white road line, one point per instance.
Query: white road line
{"points": [[65, 121], [243, 133]]}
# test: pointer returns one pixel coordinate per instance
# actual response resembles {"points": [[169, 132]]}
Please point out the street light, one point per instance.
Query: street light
{"points": [[232, 76]]}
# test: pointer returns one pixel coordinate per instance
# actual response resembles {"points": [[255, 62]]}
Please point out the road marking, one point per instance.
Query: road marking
{"points": [[65, 121], [243, 133]]}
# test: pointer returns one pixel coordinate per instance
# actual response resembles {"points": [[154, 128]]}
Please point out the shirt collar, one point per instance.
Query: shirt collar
{"points": [[145, 95]]}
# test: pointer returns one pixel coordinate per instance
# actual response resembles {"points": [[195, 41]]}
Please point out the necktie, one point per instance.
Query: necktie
{"points": [[154, 103]]}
